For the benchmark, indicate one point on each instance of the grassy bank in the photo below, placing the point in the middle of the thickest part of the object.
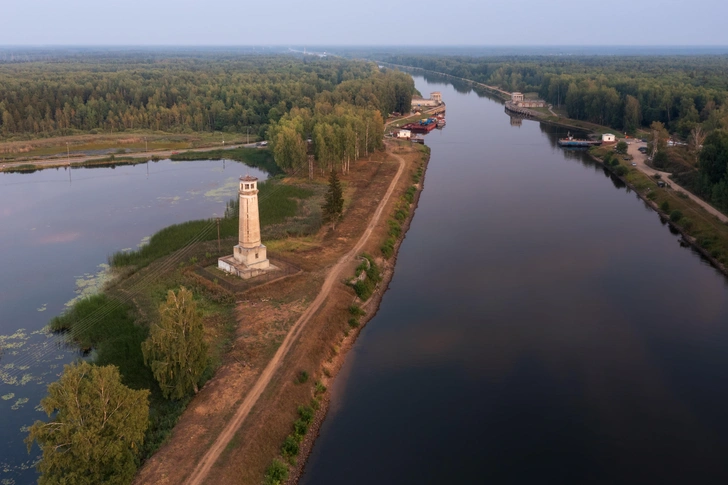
(278, 201)
(704, 230)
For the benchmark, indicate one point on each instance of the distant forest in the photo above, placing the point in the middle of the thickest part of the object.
(624, 92)
(182, 92)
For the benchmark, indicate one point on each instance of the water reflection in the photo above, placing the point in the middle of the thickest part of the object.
(541, 326)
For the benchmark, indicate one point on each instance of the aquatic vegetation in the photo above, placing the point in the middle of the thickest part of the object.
(8, 396)
(90, 284)
(19, 403)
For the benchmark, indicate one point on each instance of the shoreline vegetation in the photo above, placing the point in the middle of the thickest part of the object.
(702, 231)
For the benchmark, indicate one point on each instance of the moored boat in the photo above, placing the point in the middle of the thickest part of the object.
(572, 142)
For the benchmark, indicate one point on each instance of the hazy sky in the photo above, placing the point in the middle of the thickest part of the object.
(368, 22)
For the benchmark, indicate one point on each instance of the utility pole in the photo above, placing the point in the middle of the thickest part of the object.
(248, 142)
(217, 219)
(146, 146)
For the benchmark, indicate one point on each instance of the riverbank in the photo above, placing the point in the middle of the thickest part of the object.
(265, 318)
(703, 231)
(371, 306)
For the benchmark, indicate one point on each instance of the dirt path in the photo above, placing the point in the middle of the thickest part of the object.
(208, 460)
(640, 160)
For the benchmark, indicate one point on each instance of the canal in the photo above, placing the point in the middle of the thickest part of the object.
(57, 231)
(542, 326)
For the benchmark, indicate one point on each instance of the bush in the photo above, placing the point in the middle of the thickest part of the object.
(276, 474)
(621, 147)
(652, 196)
(306, 414)
(676, 215)
(364, 288)
(320, 388)
(387, 247)
(300, 428)
(665, 206)
(302, 377)
(357, 311)
(620, 170)
(395, 228)
(290, 447)
(353, 322)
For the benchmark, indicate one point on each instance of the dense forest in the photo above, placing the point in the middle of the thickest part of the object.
(181, 92)
(624, 92)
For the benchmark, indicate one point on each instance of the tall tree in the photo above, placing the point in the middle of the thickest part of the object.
(632, 114)
(97, 430)
(334, 203)
(697, 137)
(176, 350)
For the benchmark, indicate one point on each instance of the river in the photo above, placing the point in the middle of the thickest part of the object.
(57, 232)
(542, 326)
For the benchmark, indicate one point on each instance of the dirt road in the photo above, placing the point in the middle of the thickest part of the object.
(640, 160)
(61, 161)
(208, 460)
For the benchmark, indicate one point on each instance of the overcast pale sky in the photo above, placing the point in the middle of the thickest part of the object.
(364, 22)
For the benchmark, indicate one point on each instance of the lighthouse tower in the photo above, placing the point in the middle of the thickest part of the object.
(249, 250)
(249, 256)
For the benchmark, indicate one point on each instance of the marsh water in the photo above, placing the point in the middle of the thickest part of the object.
(56, 231)
(542, 326)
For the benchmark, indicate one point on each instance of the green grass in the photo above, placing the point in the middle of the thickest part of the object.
(24, 168)
(277, 202)
(254, 157)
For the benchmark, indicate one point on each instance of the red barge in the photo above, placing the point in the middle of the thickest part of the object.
(422, 126)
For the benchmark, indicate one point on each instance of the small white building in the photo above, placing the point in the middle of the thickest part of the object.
(517, 98)
(608, 138)
(404, 134)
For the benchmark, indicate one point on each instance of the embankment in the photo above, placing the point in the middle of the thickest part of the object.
(699, 229)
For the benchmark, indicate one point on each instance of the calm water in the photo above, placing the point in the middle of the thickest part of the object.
(56, 232)
(542, 326)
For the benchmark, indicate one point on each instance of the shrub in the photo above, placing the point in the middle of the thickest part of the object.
(357, 311)
(675, 215)
(652, 196)
(400, 215)
(687, 223)
(387, 247)
(621, 147)
(320, 388)
(306, 414)
(290, 447)
(395, 228)
(353, 322)
(300, 428)
(620, 170)
(665, 206)
(276, 474)
(302, 377)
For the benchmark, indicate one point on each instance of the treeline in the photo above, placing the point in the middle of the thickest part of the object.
(624, 92)
(184, 92)
(327, 138)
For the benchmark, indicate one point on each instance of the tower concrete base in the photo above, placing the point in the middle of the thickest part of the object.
(231, 265)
